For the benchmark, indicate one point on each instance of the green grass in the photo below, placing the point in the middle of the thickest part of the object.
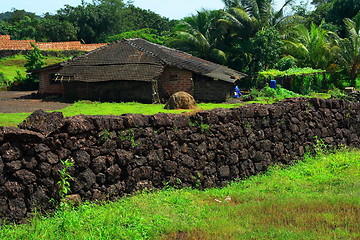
(318, 198)
(97, 108)
(12, 119)
(11, 65)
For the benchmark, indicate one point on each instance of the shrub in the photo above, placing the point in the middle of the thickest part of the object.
(337, 93)
(286, 63)
(3, 81)
(278, 94)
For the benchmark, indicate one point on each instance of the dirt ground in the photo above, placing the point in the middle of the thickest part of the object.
(21, 101)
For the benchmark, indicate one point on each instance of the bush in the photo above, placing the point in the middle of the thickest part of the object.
(339, 79)
(307, 84)
(286, 63)
(278, 94)
(337, 93)
(3, 81)
(24, 83)
(148, 34)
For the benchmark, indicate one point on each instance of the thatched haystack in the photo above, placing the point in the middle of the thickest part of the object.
(181, 100)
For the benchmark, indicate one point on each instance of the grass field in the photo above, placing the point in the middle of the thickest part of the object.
(318, 198)
(11, 65)
(98, 108)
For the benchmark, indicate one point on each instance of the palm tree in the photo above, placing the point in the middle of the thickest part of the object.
(311, 47)
(250, 16)
(245, 21)
(349, 49)
(200, 36)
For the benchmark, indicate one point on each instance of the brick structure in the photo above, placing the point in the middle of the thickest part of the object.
(7, 44)
(174, 80)
(47, 83)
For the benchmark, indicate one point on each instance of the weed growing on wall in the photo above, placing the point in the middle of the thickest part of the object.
(203, 126)
(320, 147)
(4, 82)
(105, 135)
(129, 135)
(65, 177)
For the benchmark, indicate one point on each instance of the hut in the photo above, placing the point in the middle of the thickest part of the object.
(137, 70)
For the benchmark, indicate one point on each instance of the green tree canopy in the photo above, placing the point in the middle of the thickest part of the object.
(311, 47)
(148, 34)
(34, 59)
(349, 49)
(200, 35)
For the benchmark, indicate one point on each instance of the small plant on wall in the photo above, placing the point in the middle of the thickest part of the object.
(65, 177)
(129, 135)
(203, 126)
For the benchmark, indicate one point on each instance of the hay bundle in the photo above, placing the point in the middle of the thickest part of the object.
(181, 100)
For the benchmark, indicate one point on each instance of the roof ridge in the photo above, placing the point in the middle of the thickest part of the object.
(133, 44)
(163, 46)
(86, 54)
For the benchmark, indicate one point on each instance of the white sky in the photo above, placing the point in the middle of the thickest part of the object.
(173, 9)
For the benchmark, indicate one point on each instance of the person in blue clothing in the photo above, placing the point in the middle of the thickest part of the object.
(237, 92)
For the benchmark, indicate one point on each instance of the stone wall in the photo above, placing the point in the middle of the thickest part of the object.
(115, 155)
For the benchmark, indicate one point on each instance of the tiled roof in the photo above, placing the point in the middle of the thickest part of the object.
(139, 60)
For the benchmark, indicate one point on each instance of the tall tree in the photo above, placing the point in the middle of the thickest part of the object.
(334, 11)
(349, 51)
(93, 22)
(200, 36)
(311, 47)
(137, 18)
(253, 15)
(249, 24)
(267, 46)
(34, 59)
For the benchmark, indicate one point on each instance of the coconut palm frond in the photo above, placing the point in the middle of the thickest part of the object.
(218, 56)
(238, 17)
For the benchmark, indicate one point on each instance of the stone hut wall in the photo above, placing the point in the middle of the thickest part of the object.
(115, 155)
(211, 90)
(109, 91)
(47, 83)
(174, 80)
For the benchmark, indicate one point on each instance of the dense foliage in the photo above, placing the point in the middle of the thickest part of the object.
(247, 35)
(88, 22)
(273, 73)
(148, 34)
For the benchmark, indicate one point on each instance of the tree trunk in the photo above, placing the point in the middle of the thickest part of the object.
(353, 76)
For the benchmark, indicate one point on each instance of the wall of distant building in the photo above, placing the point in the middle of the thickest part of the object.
(7, 44)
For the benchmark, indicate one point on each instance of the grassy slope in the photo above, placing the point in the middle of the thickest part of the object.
(10, 65)
(318, 198)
